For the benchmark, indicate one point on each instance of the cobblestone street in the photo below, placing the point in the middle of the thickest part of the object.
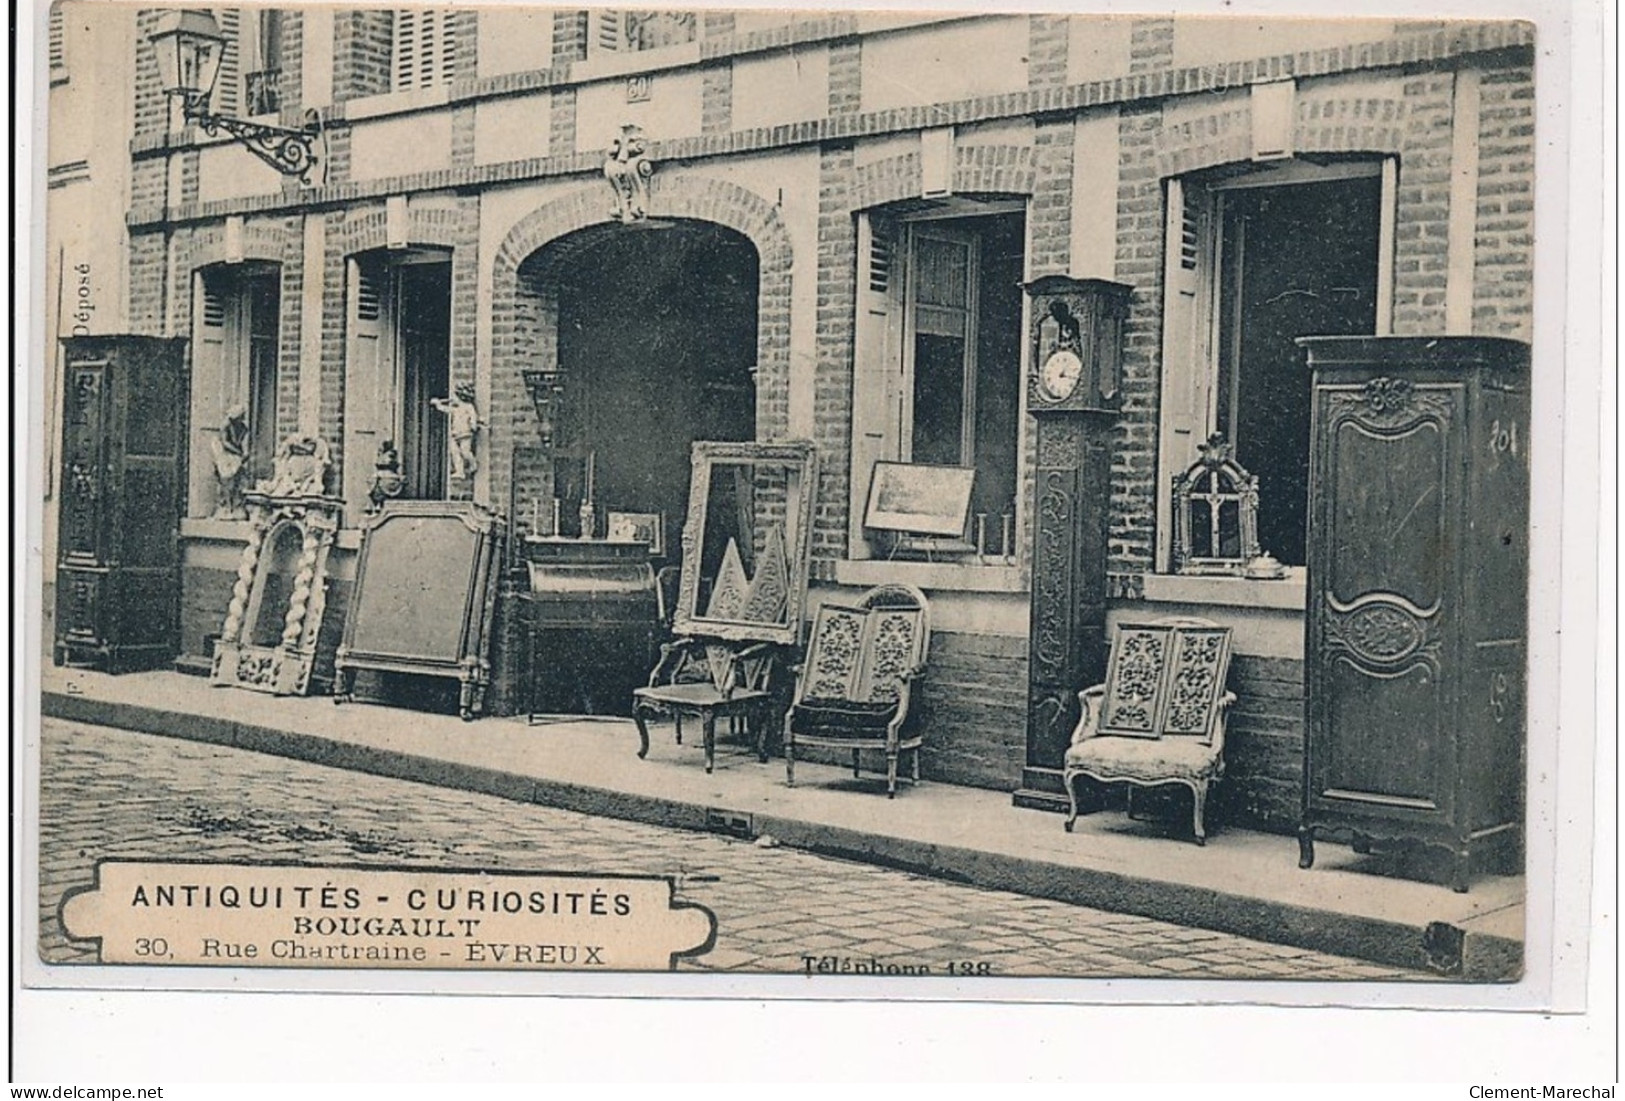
(109, 793)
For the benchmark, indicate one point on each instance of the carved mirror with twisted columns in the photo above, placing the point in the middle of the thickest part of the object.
(277, 605)
(747, 540)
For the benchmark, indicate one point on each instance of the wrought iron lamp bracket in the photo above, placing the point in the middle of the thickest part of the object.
(293, 152)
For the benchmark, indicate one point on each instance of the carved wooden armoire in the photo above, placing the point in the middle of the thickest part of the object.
(1073, 393)
(1417, 610)
(122, 478)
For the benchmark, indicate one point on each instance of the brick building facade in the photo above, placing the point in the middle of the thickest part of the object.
(819, 159)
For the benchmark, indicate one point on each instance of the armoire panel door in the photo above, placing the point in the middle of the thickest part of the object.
(1382, 732)
(85, 492)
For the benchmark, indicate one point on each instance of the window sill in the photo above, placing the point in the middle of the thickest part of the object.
(1289, 593)
(206, 529)
(931, 576)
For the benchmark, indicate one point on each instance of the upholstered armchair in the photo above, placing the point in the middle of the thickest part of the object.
(852, 691)
(1160, 717)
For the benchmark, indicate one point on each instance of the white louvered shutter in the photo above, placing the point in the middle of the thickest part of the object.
(212, 386)
(228, 84)
(424, 55)
(877, 362)
(1187, 384)
(367, 406)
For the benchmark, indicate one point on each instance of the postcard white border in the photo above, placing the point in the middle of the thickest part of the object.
(1573, 875)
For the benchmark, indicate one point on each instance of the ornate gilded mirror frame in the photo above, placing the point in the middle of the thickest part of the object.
(242, 657)
(798, 460)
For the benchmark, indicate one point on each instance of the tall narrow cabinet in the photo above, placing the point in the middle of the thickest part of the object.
(120, 489)
(1417, 614)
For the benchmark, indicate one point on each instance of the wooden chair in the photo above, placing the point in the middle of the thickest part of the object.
(852, 691)
(1160, 716)
(709, 679)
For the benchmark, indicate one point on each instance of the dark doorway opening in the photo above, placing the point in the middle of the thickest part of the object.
(657, 339)
(1295, 260)
(423, 303)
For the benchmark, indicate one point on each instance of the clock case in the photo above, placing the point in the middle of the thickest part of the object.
(1071, 493)
(1084, 317)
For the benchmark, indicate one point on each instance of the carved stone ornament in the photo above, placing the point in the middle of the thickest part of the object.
(1215, 514)
(628, 169)
(299, 469)
(274, 620)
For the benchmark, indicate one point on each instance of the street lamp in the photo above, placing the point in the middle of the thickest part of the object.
(188, 45)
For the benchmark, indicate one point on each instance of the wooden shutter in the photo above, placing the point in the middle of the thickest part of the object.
(423, 52)
(211, 386)
(228, 84)
(54, 47)
(608, 32)
(1187, 326)
(877, 362)
(368, 408)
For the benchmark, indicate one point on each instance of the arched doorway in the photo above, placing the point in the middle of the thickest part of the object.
(656, 347)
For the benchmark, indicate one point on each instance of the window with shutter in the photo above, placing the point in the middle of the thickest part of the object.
(1255, 258)
(633, 30)
(236, 347)
(228, 82)
(937, 348)
(262, 53)
(55, 52)
(397, 360)
(424, 53)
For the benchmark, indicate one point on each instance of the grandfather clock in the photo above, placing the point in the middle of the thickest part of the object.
(1073, 395)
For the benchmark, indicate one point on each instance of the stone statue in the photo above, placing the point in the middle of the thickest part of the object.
(230, 452)
(387, 479)
(299, 469)
(628, 169)
(464, 421)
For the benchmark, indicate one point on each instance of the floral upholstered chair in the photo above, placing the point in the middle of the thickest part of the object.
(853, 688)
(1160, 716)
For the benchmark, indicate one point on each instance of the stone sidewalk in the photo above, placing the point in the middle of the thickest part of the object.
(1243, 883)
(779, 911)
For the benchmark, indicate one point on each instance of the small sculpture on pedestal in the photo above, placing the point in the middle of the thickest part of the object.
(230, 452)
(387, 479)
(628, 169)
(464, 422)
(299, 469)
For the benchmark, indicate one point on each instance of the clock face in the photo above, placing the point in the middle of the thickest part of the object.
(1059, 376)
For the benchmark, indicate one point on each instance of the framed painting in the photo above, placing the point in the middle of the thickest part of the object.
(914, 499)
